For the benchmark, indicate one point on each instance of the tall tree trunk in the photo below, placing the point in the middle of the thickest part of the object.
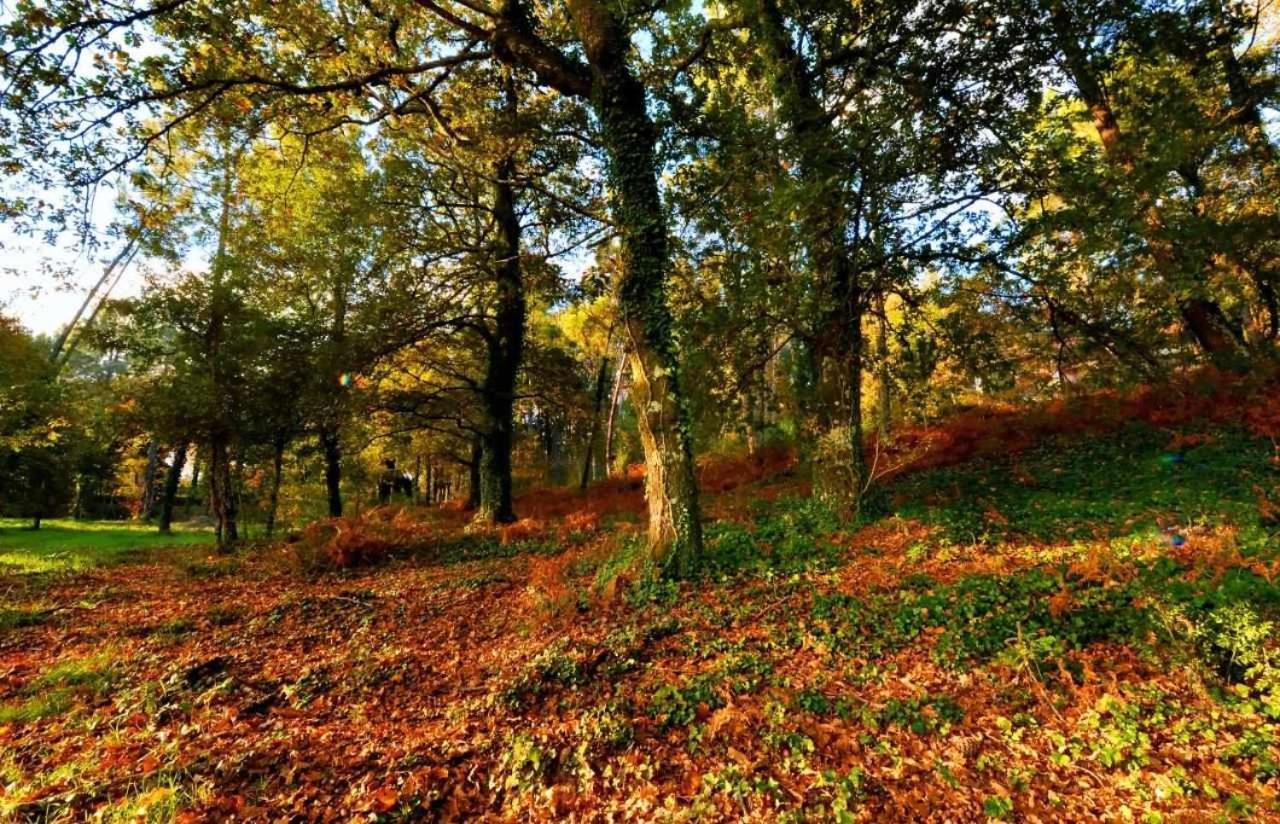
(277, 470)
(602, 376)
(834, 421)
(121, 260)
(221, 492)
(884, 385)
(1202, 317)
(474, 474)
(611, 421)
(331, 445)
(172, 480)
(222, 495)
(630, 139)
(506, 345)
(1261, 264)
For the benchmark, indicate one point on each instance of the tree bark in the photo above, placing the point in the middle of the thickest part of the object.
(1244, 97)
(222, 493)
(611, 421)
(834, 419)
(193, 494)
(884, 385)
(172, 481)
(602, 376)
(277, 470)
(506, 344)
(630, 139)
(147, 506)
(331, 445)
(473, 474)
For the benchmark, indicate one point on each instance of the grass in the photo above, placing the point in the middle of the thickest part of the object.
(53, 692)
(1098, 614)
(1132, 481)
(66, 544)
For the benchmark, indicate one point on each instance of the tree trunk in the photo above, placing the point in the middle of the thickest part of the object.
(1202, 317)
(1244, 96)
(473, 474)
(602, 376)
(172, 481)
(147, 507)
(506, 345)
(193, 495)
(222, 494)
(277, 470)
(884, 385)
(331, 445)
(121, 260)
(630, 138)
(610, 423)
(834, 414)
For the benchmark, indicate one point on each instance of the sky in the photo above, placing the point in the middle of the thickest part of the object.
(40, 302)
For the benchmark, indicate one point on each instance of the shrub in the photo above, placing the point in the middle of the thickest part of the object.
(344, 543)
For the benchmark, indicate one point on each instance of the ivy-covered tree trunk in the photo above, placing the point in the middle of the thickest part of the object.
(331, 445)
(506, 343)
(630, 139)
(172, 481)
(833, 406)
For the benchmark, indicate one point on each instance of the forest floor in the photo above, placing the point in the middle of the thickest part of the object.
(1066, 613)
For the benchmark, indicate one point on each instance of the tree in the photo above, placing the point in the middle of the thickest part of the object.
(37, 456)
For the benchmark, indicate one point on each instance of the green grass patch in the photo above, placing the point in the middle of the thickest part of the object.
(54, 702)
(66, 544)
(1113, 485)
(55, 691)
(20, 618)
(1225, 621)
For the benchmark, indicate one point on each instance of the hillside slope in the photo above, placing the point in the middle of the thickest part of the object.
(1080, 627)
